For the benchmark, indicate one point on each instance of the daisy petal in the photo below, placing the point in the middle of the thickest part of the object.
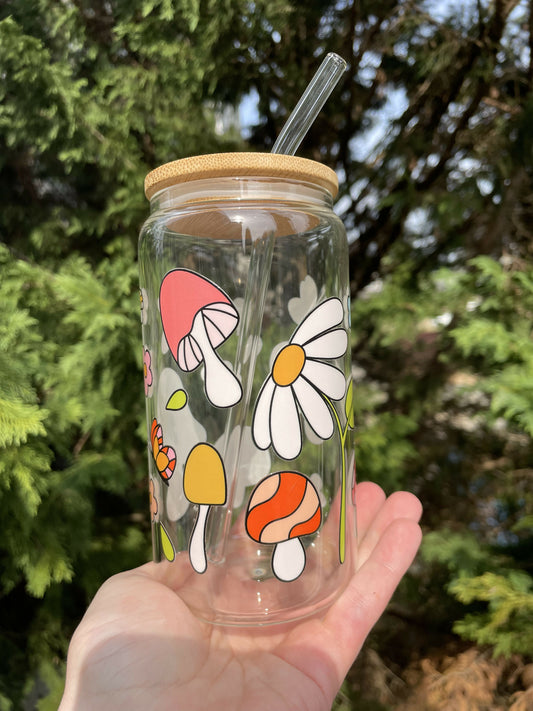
(326, 378)
(313, 406)
(332, 344)
(261, 425)
(326, 315)
(285, 424)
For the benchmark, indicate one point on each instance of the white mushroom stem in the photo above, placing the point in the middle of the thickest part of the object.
(288, 559)
(221, 386)
(197, 542)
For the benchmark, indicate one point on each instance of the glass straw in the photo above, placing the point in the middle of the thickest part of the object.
(288, 141)
(310, 104)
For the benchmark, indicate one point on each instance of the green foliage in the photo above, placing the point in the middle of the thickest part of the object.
(383, 447)
(69, 417)
(461, 552)
(20, 416)
(460, 341)
(502, 598)
(507, 624)
(54, 681)
(499, 335)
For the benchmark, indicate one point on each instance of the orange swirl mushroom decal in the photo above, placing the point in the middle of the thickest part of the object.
(204, 484)
(283, 507)
(197, 318)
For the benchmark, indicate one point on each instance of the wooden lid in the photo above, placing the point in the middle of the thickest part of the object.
(224, 165)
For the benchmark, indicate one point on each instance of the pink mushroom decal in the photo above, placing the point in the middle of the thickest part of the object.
(197, 318)
(282, 507)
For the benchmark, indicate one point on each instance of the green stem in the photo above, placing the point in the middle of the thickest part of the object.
(342, 516)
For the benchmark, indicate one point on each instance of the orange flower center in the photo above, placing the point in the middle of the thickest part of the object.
(162, 461)
(288, 365)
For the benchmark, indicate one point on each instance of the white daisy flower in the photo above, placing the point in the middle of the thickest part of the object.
(300, 380)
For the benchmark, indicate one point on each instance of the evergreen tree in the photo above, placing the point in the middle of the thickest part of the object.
(429, 132)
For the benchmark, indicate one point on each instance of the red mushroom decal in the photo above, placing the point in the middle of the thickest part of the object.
(282, 507)
(198, 317)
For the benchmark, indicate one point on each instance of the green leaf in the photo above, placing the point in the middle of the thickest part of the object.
(177, 400)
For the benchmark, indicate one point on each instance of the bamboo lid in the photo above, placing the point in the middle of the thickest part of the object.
(224, 165)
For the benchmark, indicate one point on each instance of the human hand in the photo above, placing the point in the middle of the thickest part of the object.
(139, 647)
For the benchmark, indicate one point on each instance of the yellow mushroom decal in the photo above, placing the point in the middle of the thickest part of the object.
(204, 484)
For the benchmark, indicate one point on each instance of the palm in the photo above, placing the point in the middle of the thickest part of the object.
(139, 647)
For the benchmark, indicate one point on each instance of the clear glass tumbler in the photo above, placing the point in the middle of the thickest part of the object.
(245, 309)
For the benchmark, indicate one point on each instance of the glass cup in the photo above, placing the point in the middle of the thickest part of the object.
(245, 308)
